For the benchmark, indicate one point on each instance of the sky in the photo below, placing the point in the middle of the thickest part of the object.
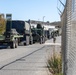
(31, 9)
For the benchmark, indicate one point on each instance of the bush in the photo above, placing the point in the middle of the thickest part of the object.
(55, 65)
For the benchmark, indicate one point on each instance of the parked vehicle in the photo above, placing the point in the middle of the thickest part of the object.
(23, 28)
(38, 34)
(50, 33)
(16, 32)
(55, 33)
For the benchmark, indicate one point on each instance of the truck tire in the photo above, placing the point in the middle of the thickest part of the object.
(16, 44)
(40, 40)
(12, 45)
(24, 44)
(27, 40)
(43, 41)
(31, 41)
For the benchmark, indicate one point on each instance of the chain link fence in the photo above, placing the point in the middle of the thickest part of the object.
(68, 21)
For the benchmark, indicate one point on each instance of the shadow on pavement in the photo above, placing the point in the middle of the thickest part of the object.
(3, 47)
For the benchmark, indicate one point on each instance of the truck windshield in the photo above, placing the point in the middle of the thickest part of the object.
(19, 26)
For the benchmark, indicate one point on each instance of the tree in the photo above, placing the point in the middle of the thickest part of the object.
(2, 24)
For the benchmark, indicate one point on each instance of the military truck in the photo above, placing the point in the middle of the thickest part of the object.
(23, 28)
(38, 34)
(55, 32)
(10, 36)
(13, 32)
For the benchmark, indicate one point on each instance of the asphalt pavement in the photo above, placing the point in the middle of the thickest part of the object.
(28, 60)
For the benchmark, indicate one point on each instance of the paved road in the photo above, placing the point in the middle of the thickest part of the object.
(28, 60)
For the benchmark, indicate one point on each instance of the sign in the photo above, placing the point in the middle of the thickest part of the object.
(9, 17)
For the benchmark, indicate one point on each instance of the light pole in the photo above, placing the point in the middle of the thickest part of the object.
(43, 18)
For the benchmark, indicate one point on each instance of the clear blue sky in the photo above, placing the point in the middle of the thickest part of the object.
(31, 9)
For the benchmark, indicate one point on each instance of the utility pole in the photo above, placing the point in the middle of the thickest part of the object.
(43, 18)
